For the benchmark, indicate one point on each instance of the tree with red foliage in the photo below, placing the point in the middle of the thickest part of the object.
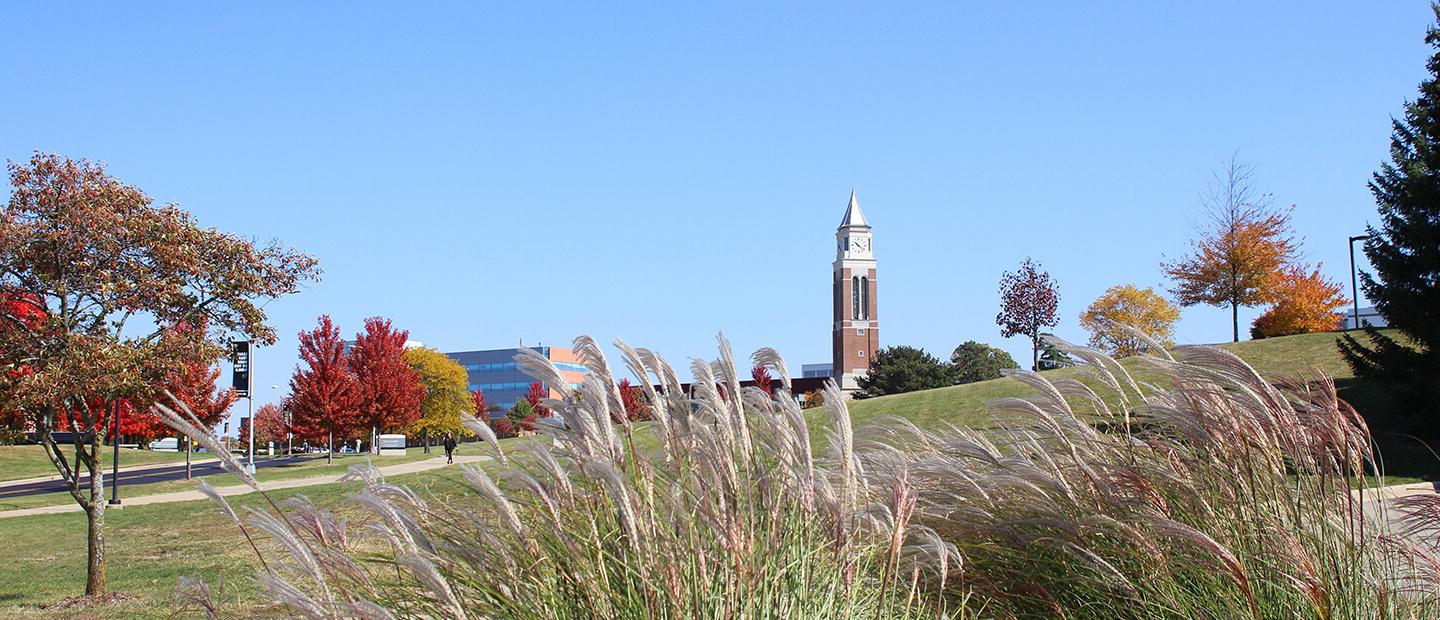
(534, 395)
(503, 427)
(390, 390)
(761, 375)
(482, 409)
(112, 273)
(324, 395)
(1028, 302)
(269, 424)
(194, 383)
(633, 398)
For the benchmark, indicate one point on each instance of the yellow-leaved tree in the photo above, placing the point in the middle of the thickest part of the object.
(446, 394)
(1305, 302)
(1126, 305)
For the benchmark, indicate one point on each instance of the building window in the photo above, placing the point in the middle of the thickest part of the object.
(865, 299)
(855, 297)
(862, 352)
(859, 331)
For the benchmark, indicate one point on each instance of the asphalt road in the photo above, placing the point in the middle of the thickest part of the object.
(146, 476)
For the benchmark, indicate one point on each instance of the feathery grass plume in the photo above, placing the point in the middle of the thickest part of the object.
(191, 427)
(485, 433)
(193, 592)
(480, 481)
(842, 443)
(424, 570)
(1223, 495)
(593, 358)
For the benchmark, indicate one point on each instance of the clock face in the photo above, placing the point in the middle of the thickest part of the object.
(860, 244)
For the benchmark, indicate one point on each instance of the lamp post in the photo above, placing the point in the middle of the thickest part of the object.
(1354, 288)
(115, 447)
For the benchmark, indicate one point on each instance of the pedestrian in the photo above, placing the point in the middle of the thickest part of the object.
(449, 448)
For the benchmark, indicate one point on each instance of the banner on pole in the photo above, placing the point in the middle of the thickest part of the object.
(240, 357)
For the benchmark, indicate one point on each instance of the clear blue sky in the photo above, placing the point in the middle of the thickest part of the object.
(483, 174)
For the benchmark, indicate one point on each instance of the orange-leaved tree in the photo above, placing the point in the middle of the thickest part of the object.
(1126, 307)
(1305, 301)
(113, 275)
(1243, 246)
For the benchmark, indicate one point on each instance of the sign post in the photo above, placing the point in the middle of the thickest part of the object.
(241, 381)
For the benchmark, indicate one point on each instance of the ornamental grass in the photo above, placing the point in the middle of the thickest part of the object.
(1213, 493)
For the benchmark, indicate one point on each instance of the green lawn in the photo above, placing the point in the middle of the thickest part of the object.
(1407, 459)
(151, 546)
(18, 462)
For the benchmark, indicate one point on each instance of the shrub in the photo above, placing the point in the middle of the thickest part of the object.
(1223, 496)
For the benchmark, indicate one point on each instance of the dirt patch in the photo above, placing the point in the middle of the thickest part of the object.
(83, 602)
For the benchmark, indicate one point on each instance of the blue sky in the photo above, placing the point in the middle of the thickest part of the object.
(483, 174)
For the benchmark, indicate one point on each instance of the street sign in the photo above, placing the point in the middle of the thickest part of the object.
(240, 357)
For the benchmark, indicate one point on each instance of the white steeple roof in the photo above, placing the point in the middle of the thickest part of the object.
(853, 216)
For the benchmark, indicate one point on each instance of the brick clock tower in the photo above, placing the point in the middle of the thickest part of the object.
(855, 326)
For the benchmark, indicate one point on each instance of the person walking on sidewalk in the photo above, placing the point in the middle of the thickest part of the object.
(449, 448)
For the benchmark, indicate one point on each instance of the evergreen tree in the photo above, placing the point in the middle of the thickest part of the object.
(894, 370)
(976, 361)
(1404, 250)
(1051, 357)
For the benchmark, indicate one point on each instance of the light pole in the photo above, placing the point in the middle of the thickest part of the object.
(115, 446)
(1354, 288)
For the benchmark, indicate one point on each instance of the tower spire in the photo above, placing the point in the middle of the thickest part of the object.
(853, 215)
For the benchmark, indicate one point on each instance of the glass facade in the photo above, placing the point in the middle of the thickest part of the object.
(504, 382)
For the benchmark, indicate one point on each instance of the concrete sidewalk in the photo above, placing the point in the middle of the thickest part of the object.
(125, 470)
(240, 489)
(1397, 491)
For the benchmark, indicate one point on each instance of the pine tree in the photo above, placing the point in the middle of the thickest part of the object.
(1404, 250)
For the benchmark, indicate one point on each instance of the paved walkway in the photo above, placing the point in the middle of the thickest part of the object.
(240, 489)
(128, 469)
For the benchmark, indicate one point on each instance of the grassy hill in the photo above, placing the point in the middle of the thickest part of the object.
(1406, 457)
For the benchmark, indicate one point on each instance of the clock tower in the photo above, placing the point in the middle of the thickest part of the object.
(855, 327)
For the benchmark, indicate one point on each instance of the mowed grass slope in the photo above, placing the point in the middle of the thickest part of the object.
(1407, 459)
(965, 404)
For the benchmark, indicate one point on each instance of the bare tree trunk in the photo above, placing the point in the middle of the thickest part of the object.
(1035, 352)
(187, 456)
(330, 446)
(1235, 321)
(95, 581)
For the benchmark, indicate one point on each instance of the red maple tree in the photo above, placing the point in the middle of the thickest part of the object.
(269, 425)
(1028, 303)
(633, 398)
(534, 395)
(761, 375)
(390, 389)
(324, 395)
(482, 409)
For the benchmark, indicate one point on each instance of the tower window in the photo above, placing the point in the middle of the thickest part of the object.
(855, 297)
(865, 299)
(862, 352)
